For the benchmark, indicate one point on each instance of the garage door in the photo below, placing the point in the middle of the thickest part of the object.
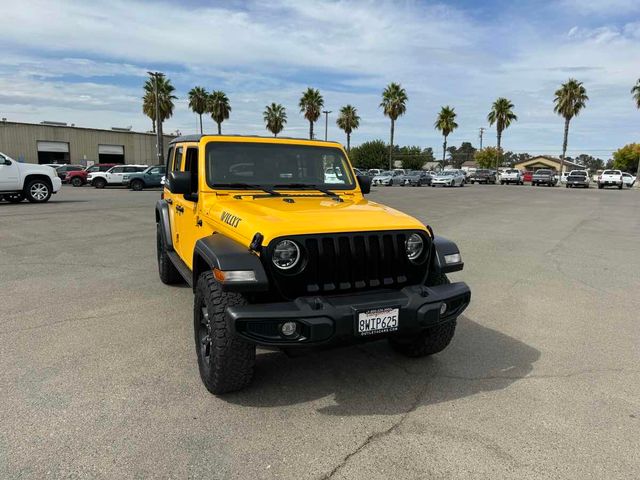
(53, 152)
(111, 153)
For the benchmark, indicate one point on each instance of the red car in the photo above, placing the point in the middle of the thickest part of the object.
(526, 176)
(79, 178)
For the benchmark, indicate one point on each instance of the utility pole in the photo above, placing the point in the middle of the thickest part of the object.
(482, 129)
(326, 123)
(159, 137)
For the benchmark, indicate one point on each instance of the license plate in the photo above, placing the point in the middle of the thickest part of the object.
(380, 320)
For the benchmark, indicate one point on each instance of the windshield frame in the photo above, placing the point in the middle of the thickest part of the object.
(333, 148)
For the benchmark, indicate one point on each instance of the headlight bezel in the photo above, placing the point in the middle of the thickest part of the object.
(418, 255)
(292, 266)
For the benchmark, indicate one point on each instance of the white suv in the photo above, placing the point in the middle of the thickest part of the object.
(113, 176)
(18, 181)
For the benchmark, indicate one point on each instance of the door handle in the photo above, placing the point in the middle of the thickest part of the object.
(179, 208)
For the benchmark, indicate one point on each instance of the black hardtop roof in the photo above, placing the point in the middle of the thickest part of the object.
(198, 137)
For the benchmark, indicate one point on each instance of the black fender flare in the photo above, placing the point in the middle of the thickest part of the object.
(443, 247)
(162, 218)
(225, 254)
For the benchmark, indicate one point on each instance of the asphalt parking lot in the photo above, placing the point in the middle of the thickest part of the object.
(99, 379)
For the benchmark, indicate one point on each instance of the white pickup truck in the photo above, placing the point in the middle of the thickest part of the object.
(610, 178)
(18, 181)
(511, 175)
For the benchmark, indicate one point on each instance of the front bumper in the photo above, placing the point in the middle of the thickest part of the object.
(332, 320)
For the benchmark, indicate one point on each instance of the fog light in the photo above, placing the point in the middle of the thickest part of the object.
(288, 329)
(443, 308)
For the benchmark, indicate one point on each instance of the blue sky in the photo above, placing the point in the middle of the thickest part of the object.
(85, 62)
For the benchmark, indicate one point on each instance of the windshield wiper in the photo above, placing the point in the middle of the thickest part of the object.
(307, 186)
(248, 186)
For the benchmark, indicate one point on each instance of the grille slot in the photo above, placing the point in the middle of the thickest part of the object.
(345, 262)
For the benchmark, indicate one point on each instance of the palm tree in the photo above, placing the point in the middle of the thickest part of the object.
(275, 117)
(198, 97)
(570, 98)
(219, 108)
(635, 91)
(349, 120)
(394, 104)
(446, 123)
(162, 85)
(165, 100)
(502, 115)
(311, 104)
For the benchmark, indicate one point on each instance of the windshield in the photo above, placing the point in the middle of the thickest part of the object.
(543, 172)
(578, 174)
(482, 171)
(237, 164)
(611, 172)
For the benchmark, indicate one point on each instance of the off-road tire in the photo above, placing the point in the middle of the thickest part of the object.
(167, 271)
(14, 197)
(432, 340)
(225, 361)
(137, 185)
(99, 183)
(77, 182)
(37, 191)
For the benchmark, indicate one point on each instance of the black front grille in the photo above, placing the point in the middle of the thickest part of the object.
(345, 262)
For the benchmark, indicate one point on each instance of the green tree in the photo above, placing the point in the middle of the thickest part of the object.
(486, 158)
(275, 118)
(590, 162)
(502, 115)
(394, 105)
(445, 123)
(372, 154)
(198, 97)
(219, 108)
(635, 91)
(627, 158)
(311, 104)
(460, 155)
(165, 100)
(411, 157)
(348, 121)
(569, 100)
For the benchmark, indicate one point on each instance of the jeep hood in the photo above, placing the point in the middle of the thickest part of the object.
(277, 216)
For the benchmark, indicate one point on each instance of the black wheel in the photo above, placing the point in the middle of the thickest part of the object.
(14, 197)
(99, 183)
(37, 191)
(431, 340)
(620, 187)
(168, 272)
(225, 361)
(137, 185)
(76, 182)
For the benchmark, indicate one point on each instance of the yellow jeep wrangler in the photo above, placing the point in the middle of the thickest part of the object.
(282, 250)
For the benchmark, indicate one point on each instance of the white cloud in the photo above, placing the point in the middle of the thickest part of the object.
(271, 51)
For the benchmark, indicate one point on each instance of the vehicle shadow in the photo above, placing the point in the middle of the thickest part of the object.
(371, 379)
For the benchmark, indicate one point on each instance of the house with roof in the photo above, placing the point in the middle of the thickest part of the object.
(547, 162)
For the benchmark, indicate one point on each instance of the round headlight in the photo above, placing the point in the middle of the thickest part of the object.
(414, 246)
(286, 255)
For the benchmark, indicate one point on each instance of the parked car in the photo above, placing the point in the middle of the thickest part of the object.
(483, 175)
(18, 181)
(527, 175)
(544, 177)
(375, 171)
(417, 178)
(77, 178)
(628, 180)
(449, 178)
(113, 176)
(563, 177)
(578, 178)
(64, 170)
(383, 178)
(398, 178)
(511, 175)
(611, 178)
(149, 178)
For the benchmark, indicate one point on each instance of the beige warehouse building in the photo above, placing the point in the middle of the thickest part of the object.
(50, 142)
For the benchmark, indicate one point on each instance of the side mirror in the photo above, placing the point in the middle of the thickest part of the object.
(179, 182)
(365, 183)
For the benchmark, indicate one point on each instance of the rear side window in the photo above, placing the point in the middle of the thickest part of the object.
(191, 165)
(177, 161)
(169, 158)
(611, 172)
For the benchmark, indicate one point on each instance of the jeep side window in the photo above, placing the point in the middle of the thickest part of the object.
(169, 156)
(191, 165)
(177, 161)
